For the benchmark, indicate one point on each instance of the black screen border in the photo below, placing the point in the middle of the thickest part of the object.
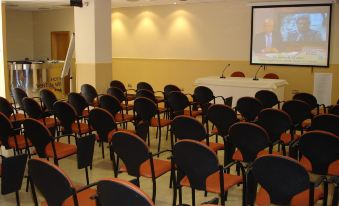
(296, 5)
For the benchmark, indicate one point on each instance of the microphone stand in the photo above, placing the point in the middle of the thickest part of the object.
(223, 71)
(255, 76)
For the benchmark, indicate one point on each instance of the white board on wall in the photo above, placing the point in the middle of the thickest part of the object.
(323, 87)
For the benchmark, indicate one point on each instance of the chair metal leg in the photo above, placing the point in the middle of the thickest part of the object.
(193, 197)
(102, 149)
(87, 178)
(17, 198)
(335, 196)
(180, 195)
(325, 193)
(154, 187)
(35, 199)
(159, 140)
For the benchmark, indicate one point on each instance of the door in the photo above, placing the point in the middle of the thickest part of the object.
(59, 44)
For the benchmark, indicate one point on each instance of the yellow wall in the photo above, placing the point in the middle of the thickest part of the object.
(179, 43)
(20, 35)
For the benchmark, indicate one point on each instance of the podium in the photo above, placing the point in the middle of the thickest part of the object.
(241, 86)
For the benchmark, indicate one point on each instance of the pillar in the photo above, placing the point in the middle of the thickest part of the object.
(4, 85)
(93, 44)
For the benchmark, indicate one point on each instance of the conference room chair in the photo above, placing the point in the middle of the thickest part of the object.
(249, 108)
(300, 113)
(122, 97)
(146, 110)
(267, 98)
(18, 95)
(12, 171)
(237, 74)
(90, 94)
(198, 167)
(222, 117)
(186, 127)
(44, 142)
(278, 124)
(281, 188)
(179, 104)
(48, 98)
(311, 101)
(334, 109)
(56, 187)
(320, 155)
(7, 109)
(11, 137)
(120, 192)
(147, 86)
(130, 93)
(69, 120)
(271, 76)
(170, 88)
(150, 95)
(80, 104)
(34, 110)
(137, 159)
(113, 106)
(326, 122)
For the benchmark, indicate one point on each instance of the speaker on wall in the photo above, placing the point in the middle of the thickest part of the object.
(77, 3)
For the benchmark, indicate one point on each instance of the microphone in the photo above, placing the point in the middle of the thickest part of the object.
(223, 71)
(255, 76)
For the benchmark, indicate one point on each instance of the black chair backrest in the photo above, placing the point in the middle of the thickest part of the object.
(18, 95)
(6, 129)
(89, 93)
(50, 180)
(32, 108)
(145, 108)
(48, 98)
(12, 173)
(281, 177)
(131, 149)
(66, 114)
(117, 93)
(185, 127)
(6, 107)
(121, 192)
(102, 121)
(78, 102)
(308, 98)
(275, 122)
(320, 148)
(144, 85)
(267, 98)
(195, 160)
(142, 129)
(203, 94)
(110, 103)
(85, 151)
(170, 88)
(222, 117)
(326, 122)
(118, 84)
(177, 102)
(249, 107)
(146, 93)
(298, 111)
(335, 109)
(38, 134)
(249, 138)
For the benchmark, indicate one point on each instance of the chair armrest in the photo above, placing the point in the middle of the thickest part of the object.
(86, 187)
(215, 97)
(229, 165)
(156, 154)
(57, 137)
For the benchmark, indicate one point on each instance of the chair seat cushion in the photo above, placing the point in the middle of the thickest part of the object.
(84, 128)
(17, 117)
(62, 150)
(215, 146)
(286, 138)
(112, 132)
(48, 122)
(163, 122)
(20, 140)
(127, 107)
(126, 117)
(237, 156)
(306, 123)
(213, 182)
(85, 113)
(160, 168)
(195, 113)
(84, 198)
(300, 199)
(333, 168)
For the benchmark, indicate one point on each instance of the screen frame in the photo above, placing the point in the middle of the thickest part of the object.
(296, 5)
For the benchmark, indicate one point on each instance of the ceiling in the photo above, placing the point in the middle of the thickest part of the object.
(34, 5)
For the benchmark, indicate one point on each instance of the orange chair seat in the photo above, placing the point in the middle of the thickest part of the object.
(214, 130)
(84, 128)
(126, 117)
(287, 137)
(84, 198)
(85, 113)
(163, 122)
(112, 132)
(130, 97)
(333, 168)
(159, 99)
(20, 140)
(194, 113)
(214, 146)
(301, 199)
(17, 117)
(213, 182)
(306, 123)
(48, 122)
(62, 150)
(160, 168)
(237, 156)
(127, 107)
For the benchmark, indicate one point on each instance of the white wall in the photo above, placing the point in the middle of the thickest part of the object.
(19, 35)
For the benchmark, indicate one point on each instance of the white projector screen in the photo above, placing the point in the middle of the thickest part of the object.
(297, 35)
